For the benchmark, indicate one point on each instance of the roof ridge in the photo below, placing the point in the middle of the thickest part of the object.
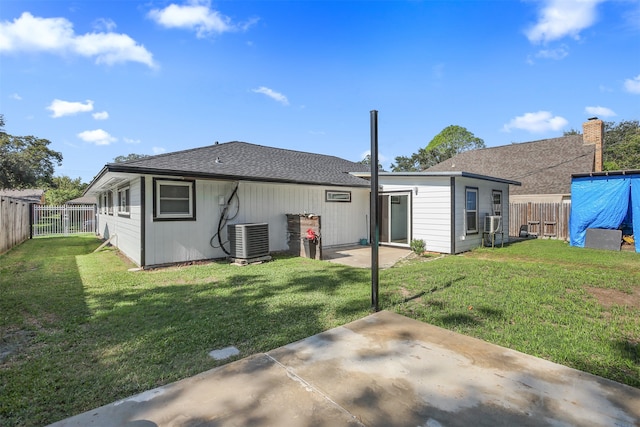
(531, 142)
(172, 153)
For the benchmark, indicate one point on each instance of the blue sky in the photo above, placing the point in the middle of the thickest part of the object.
(101, 79)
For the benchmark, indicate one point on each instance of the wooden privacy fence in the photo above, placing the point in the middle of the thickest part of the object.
(63, 220)
(14, 222)
(550, 220)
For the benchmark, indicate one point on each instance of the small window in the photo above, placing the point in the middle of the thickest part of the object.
(496, 197)
(173, 200)
(472, 210)
(123, 201)
(110, 202)
(338, 196)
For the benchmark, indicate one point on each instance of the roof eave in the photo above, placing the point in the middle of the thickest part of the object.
(123, 168)
(440, 174)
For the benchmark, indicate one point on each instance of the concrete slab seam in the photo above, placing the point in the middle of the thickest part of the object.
(310, 387)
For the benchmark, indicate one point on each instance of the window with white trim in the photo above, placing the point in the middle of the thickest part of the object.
(337, 196)
(110, 202)
(173, 200)
(496, 200)
(471, 210)
(123, 201)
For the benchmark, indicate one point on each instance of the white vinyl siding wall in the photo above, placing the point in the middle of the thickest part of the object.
(126, 228)
(179, 241)
(464, 241)
(431, 208)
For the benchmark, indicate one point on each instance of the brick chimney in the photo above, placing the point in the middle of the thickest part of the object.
(593, 133)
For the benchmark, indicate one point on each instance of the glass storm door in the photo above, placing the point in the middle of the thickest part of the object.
(395, 218)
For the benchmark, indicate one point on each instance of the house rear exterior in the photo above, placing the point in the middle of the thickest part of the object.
(168, 208)
(446, 210)
(174, 207)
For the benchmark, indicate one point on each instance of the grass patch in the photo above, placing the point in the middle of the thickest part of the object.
(578, 307)
(78, 330)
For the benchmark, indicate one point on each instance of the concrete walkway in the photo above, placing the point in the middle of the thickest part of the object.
(360, 256)
(382, 370)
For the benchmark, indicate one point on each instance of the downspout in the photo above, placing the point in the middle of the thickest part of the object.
(143, 221)
(453, 214)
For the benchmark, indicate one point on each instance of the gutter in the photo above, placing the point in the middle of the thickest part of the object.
(122, 168)
(606, 173)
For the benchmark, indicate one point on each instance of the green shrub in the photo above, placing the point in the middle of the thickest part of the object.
(418, 246)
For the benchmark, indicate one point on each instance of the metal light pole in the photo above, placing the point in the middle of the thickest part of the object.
(375, 228)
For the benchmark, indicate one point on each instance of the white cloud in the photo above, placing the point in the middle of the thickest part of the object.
(131, 141)
(97, 137)
(62, 108)
(56, 35)
(101, 115)
(541, 121)
(199, 17)
(104, 24)
(158, 150)
(600, 111)
(272, 94)
(15, 96)
(557, 54)
(561, 18)
(633, 85)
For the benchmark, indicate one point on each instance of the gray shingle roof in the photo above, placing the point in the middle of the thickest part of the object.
(28, 195)
(543, 167)
(241, 160)
(84, 200)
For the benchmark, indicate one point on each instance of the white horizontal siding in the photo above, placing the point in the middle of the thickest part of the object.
(431, 208)
(179, 241)
(465, 242)
(126, 229)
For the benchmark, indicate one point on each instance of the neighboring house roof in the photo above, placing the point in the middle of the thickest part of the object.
(34, 195)
(84, 200)
(438, 174)
(250, 162)
(543, 167)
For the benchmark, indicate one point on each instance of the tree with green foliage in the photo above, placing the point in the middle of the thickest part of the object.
(132, 156)
(367, 161)
(449, 142)
(63, 189)
(26, 161)
(621, 145)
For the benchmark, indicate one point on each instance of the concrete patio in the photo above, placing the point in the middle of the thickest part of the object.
(382, 370)
(360, 256)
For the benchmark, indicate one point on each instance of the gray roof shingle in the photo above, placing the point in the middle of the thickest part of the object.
(28, 195)
(543, 167)
(241, 160)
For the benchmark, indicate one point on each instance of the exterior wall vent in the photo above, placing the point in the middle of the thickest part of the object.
(492, 223)
(248, 240)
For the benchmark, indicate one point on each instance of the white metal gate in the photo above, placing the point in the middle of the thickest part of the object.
(63, 220)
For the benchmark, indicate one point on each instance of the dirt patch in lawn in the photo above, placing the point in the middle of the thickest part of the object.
(12, 341)
(608, 297)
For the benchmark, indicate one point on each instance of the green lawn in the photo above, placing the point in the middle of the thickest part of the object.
(78, 330)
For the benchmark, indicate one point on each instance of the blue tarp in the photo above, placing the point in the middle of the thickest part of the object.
(603, 202)
(635, 209)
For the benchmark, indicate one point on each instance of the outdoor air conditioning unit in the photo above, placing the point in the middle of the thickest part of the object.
(492, 223)
(249, 240)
